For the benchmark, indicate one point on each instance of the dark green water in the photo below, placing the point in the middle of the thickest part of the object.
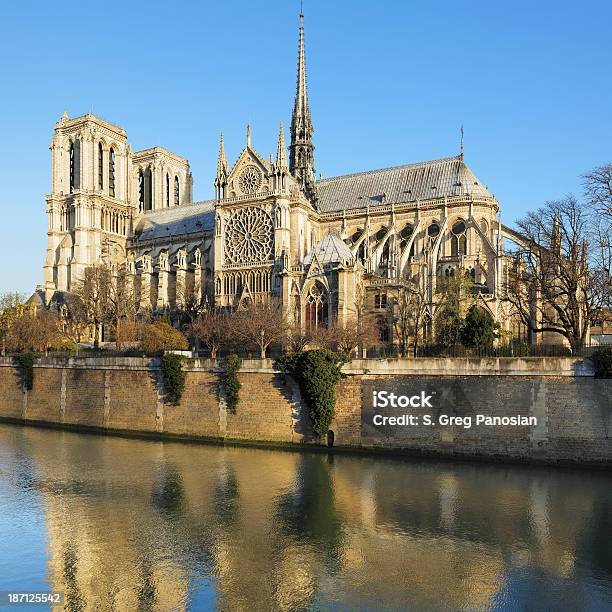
(119, 524)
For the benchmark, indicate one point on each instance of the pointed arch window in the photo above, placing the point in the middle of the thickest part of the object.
(75, 165)
(72, 167)
(177, 197)
(141, 194)
(148, 189)
(167, 190)
(317, 307)
(458, 239)
(100, 166)
(111, 172)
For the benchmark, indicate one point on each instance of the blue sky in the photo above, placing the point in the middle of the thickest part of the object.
(389, 83)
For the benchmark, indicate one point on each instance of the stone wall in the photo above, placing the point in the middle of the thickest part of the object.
(573, 410)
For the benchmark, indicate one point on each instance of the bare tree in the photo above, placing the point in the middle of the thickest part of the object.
(557, 286)
(261, 324)
(323, 336)
(408, 308)
(354, 334)
(213, 329)
(94, 290)
(121, 302)
(598, 189)
(297, 338)
(74, 318)
(192, 304)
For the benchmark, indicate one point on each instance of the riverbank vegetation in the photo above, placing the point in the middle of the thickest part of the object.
(231, 383)
(173, 377)
(317, 372)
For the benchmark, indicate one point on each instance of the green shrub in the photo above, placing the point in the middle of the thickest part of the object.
(602, 360)
(233, 363)
(479, 329)
(317, 372)
(26, 362)
(173, 376)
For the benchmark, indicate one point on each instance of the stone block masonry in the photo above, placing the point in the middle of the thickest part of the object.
(572, 410)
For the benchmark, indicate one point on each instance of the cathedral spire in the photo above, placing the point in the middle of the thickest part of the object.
(301, 155)
(281, 152)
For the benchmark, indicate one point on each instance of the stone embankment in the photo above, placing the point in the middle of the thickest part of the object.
(572, 410)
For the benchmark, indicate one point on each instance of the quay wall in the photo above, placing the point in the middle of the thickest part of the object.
(572, 409)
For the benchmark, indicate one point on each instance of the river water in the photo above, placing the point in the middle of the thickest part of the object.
(124, 524)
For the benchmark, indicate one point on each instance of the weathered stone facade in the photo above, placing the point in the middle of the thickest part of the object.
(327, 249)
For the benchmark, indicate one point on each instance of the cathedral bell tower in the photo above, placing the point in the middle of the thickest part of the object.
(301, 151)
(89, 215)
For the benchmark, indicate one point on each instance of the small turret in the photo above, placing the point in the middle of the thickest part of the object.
(281, 152)
(222, 172)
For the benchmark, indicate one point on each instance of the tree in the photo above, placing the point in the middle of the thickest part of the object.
(121, 302)
(94, 291)
(451, 297)
(297, 338)
(323, 336)
(213, 329)
(161, 336)
(11, 308)
(350, 336)
(192, 304)
(408, 310)
(598, 189)
(558, 284)
(34, 332)
(74, 318)
(261, 324)
(479, 329)
(598, 193)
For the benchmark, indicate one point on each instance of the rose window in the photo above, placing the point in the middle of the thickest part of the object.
(250, 179)
(248, 236)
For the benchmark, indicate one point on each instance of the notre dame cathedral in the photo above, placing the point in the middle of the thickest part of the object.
(328, 249)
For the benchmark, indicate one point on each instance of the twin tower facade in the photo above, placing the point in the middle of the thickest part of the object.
(329, 250)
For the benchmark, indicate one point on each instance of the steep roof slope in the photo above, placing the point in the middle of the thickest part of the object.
(422, 181)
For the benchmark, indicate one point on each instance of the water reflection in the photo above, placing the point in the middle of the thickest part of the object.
(138, 525)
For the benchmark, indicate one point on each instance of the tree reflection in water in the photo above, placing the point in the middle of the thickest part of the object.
(308, 512)
(167, 493)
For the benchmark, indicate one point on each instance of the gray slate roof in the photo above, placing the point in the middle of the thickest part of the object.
(422, 181)
(189, 219)
(331, 249)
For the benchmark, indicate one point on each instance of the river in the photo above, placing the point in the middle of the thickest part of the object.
(125, 524)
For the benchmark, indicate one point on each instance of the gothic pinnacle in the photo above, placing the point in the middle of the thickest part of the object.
(221, 163)
(281, 153)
